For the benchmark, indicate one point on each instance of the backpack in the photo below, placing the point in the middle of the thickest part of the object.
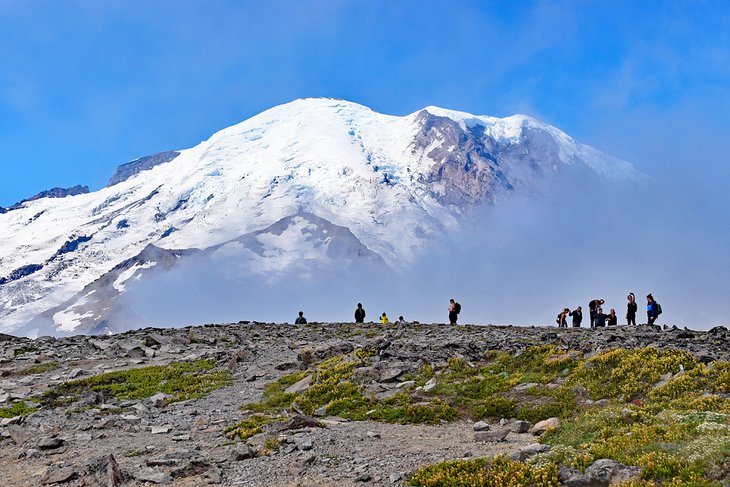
(457, 308)
(658, 309)
(557, 320)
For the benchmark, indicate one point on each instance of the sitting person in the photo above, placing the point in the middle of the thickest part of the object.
(612, 319)
(600, 318)
(301, 320)
(384, 319)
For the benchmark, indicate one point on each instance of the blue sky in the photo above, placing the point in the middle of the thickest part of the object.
(88, 85)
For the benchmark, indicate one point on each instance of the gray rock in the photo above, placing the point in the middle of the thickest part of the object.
(480, 426)
(373, 435)
(158, 400)
(571, 477)
(241, 451)
(525, 386)
(605, 471)
(57, 475)
(529, 451)
(300, 386)
(49, 443)
(520, 426)
(492, 435)
(430, 385)
(144, 474)
(299, 421)
(75, 373)
(10, 421)
(391, 375)
(365, 375)
(303, 443)
(103, 471)
(159, 430)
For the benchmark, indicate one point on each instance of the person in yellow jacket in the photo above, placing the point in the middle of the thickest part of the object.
(384, 319)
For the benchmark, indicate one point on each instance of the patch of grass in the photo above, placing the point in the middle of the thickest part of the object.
(181, 381)
(482, 472)
(243, 430)
(38, 368)
(17, 409)
(25, 349)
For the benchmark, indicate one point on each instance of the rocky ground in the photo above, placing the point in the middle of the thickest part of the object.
(147, 442)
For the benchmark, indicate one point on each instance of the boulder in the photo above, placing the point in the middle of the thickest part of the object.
(103, 471)
(480, 426)
(492, 435)
(49, 443)
(606, 471)
(56, 475)
(529, 451)
(542, 426)
(571, 477)
(300, 386)
(520, 426)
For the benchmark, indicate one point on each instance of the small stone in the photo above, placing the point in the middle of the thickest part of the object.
(529, 451)
(300, 386)
(606, 471)
(150, 475)
(75, 373)
(9, 421)
(181, 438)
(4, 397)
(158, 400)
(542, 426)
(492, 435)
(241, 451)
(159, 430)
(364, 477)
(373, 435)
(56, 475)
(480, 426)
(429, 385)
(520, 426)
(303, 443)
(405, 384)
(395, 477)
(503, 422)
(49, 443)
(525, 386)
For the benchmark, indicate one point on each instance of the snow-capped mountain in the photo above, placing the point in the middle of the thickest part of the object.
(315, 185)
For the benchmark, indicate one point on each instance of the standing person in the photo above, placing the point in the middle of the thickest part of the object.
(454, 310)
(384, 319)
(631, 308)
(301, 320)
(612, 319)
(359, 314)
(600, 319)
(593, 308)
(653, 309)
(577, 316)
(562, 318)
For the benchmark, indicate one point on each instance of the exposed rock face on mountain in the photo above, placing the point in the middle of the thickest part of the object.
(319, 183)
(50, 193)
(126, 171)
(153, 441)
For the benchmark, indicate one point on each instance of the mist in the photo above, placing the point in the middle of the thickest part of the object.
(573, 238)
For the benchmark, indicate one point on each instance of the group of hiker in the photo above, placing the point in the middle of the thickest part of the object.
(600, 319)
(454, 310)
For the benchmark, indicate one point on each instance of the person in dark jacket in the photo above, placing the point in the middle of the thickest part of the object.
(453, 314)
(577, 316)
(600, 319)
(359, 314)
(631, 308)
(562, 319)
(652, 310)
(593, 309)
(301, 320)
(612, 319)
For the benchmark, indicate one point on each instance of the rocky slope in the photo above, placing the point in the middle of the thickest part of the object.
(99, 440)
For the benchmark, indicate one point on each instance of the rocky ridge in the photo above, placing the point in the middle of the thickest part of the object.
(102, 441)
